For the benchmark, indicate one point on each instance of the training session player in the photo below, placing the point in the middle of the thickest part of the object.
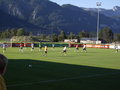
(45, 51)
(77, 48)
(32, 46)
(65, 50)
(21, 47)
(84, 48)
(4, 47)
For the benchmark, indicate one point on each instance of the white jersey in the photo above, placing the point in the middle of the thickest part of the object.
(116, 47)
(32, 45)
(84, 46)
(64, 48)
(53, 45)
(4, 45)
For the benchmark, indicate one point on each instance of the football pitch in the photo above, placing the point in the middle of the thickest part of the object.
(98, 69)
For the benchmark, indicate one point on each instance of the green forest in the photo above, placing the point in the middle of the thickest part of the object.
(105, 35)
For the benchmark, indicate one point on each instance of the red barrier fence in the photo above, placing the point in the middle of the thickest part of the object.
(91, 45)
(59, 45)
(18, 44)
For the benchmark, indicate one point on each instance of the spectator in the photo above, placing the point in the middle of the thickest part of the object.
(3, 65)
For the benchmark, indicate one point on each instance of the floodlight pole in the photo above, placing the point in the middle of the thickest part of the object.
(11, 42)
(98, 18)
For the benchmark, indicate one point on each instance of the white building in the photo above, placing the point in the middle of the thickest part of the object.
(90, 40)
(71, 40)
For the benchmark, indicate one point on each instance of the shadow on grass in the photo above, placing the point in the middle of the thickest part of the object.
(42, 75)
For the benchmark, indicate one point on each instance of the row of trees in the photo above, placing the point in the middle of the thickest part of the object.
(62, 35)
(9, 33)
(14, 32)
(106, 35)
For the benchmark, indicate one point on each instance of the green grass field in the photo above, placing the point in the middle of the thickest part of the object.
(98, 69)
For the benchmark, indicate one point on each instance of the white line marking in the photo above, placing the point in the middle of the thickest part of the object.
(56, 80)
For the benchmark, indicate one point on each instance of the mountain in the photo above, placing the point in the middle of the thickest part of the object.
(35, 12)
(46, 16)
(112, 13)
(86, 20)
(8, 21)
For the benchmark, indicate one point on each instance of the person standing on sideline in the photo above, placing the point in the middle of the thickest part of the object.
(4, 47)
(69, 45)
(3, 65)
(25, 45)
(116, 48)
(53, 45)
(40, 46)
(21, 47)
(77, 48)
(32, 46)
(45, 51)
(65, 50)
(84, 48)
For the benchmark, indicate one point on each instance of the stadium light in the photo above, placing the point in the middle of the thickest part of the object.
(98, 21)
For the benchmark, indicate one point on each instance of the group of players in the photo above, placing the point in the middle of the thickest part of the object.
(23, 46)
(46, 48)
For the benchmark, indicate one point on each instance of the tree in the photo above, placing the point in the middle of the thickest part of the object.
(13, 32)
(71, 36)
(3, 35)
(61, 36)
(30, 34)
(117, 37)
(83, 34)
(106, 34)
(20, 32)
(6, 34)
(54, 38)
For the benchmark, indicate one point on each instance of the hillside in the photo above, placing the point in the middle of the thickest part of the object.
(44, 15)
(9, 21)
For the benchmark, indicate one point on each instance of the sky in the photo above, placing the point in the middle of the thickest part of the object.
(107, 4)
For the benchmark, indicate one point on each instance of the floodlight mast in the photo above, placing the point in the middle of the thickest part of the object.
(98, 18)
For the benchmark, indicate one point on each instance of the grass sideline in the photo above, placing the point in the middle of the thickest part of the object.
(98, 69)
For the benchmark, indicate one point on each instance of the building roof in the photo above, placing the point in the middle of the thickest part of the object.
(91, 39)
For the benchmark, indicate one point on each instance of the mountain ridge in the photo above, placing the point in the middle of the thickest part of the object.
(46, 15)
